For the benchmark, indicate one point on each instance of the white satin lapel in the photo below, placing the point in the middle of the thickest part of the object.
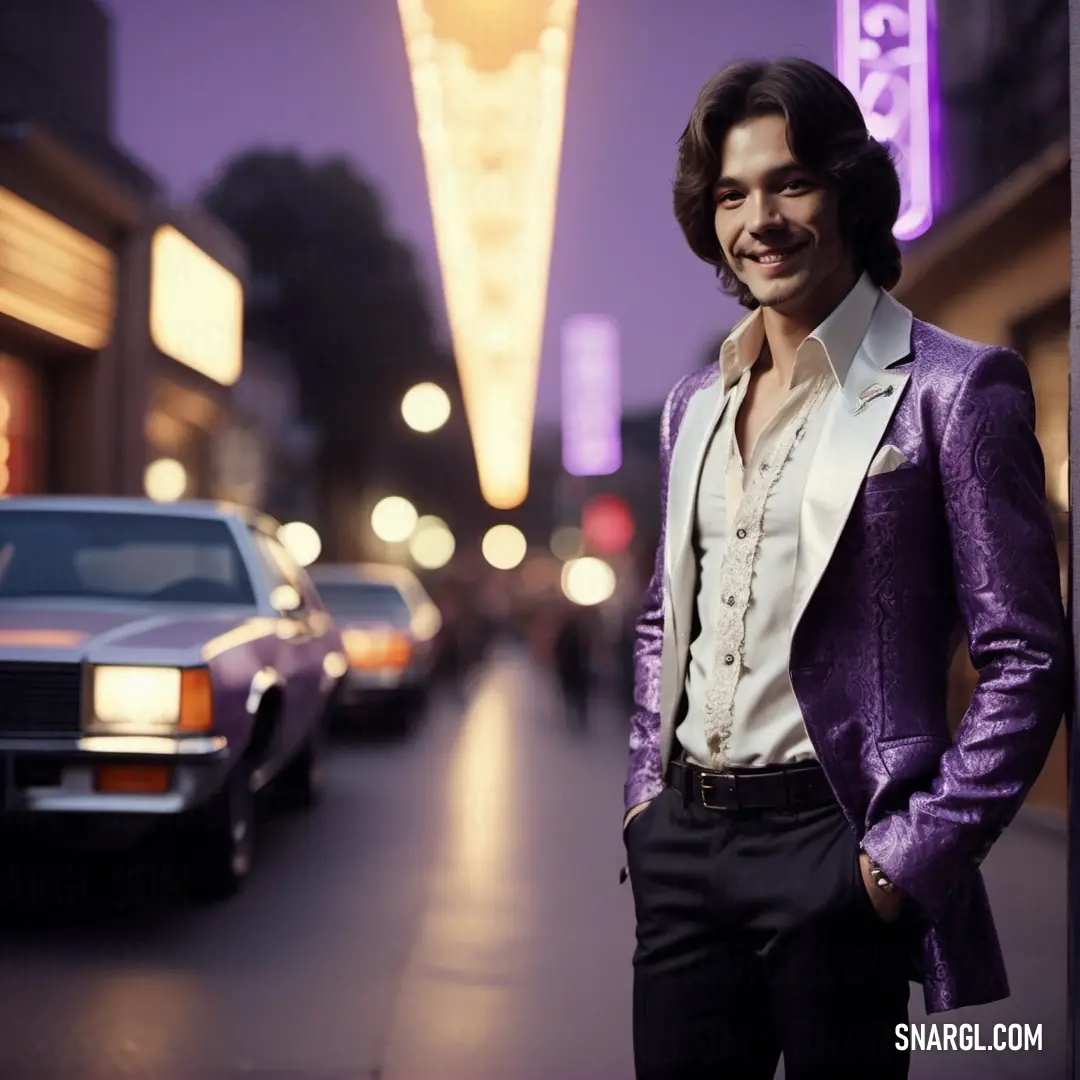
(703, 413)
(854, 428)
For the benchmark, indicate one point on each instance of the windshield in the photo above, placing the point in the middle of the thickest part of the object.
(155, 558)
(366, 600)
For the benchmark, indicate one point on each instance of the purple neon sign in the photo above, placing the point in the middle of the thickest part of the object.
(885, 53)
(591, 396)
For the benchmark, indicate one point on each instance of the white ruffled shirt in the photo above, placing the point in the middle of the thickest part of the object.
(740, 706)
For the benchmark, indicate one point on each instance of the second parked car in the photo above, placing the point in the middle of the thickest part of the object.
(390, 629)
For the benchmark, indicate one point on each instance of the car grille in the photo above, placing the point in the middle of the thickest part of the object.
(40, 699)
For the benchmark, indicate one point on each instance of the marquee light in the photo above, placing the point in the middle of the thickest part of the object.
(489, 82)
(196, 307)
(53, 277)
(885, 56)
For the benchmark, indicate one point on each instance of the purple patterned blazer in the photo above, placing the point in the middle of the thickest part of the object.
(892, 569)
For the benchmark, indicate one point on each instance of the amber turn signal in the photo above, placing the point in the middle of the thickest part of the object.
(196, 701)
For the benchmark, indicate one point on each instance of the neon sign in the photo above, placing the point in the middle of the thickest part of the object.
(885, 57)
(591, 396)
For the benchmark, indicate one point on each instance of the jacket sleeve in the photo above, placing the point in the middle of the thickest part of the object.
(644, 780)
(1007, 584)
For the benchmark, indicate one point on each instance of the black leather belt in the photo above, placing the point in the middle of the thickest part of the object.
(780, 787)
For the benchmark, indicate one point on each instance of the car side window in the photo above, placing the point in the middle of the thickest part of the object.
(294, 572)
(281, 572)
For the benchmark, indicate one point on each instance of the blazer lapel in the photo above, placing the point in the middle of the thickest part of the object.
(856, 424)
(703, 413)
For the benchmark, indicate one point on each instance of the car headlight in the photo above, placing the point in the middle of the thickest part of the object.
(151, 700)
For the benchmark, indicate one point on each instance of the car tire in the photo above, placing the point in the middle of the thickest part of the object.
(225, 851)
(300, 784)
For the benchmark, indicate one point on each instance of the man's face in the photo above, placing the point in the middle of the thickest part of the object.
(777, 223)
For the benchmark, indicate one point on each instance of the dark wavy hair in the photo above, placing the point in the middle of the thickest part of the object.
(826, 134)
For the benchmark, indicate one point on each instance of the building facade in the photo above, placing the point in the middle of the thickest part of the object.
(120, 319)
(995, 267)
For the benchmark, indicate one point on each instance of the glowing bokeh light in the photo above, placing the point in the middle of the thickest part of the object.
(165, 480)
(432, 543)
(607, 524)
(489, 84)
(425, 408)
(504, 546)
(588, 581)
(885, 57)
(566, 542)
(393, 519)
(301, 541)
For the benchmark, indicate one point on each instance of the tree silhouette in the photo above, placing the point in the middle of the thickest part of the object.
(334, 290)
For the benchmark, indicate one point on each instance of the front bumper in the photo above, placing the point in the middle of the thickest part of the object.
(57, 776)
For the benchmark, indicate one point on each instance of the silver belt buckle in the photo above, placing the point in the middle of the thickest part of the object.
(705, 782)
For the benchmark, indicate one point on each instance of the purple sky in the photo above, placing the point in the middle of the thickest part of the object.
(198, 80)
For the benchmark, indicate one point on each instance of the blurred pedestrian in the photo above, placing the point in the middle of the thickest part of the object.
(849, 492)
(573, 667)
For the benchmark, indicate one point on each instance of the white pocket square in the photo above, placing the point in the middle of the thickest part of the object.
(887, 460)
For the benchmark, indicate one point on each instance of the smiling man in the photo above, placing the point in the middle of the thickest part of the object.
(847, 494)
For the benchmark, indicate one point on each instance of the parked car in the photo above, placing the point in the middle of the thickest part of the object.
(389, 629)
(159, 664)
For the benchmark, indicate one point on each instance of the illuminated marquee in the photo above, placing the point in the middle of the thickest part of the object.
(53, 277)
(591, 396)
(196, 307)
(885, 52)
(489, 82)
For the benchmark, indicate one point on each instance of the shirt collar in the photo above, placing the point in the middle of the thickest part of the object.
(831, 347)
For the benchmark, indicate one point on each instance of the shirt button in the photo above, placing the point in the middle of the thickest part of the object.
(729, 659)
(730, 601)
(764, 466)
(741, 534)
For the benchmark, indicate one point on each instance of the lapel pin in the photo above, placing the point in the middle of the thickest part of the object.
(872, 393)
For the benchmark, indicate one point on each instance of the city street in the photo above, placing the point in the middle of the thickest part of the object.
(450, 911)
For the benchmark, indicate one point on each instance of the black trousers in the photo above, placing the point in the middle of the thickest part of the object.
(756, 937)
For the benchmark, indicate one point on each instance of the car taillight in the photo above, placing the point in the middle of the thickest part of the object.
(371, 649)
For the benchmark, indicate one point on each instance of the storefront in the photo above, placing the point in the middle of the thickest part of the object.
(59, 278)
(121, 326)
(1000, 273)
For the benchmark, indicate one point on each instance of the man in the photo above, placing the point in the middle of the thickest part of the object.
(847, 495)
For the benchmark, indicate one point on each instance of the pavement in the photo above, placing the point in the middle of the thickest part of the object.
(451, 911)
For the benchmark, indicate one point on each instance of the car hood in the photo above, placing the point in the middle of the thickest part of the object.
(106, 633)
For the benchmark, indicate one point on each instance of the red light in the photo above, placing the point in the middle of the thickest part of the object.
(607, 524)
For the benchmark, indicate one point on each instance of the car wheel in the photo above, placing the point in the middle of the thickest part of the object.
(301, 783)
(226, 841)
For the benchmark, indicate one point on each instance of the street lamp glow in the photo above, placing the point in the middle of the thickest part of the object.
(425, 408)
(588, 581)
(504, 546)
(301, 541)
(393, 519)
(165, 480)
(489, 85)
(432, 543)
